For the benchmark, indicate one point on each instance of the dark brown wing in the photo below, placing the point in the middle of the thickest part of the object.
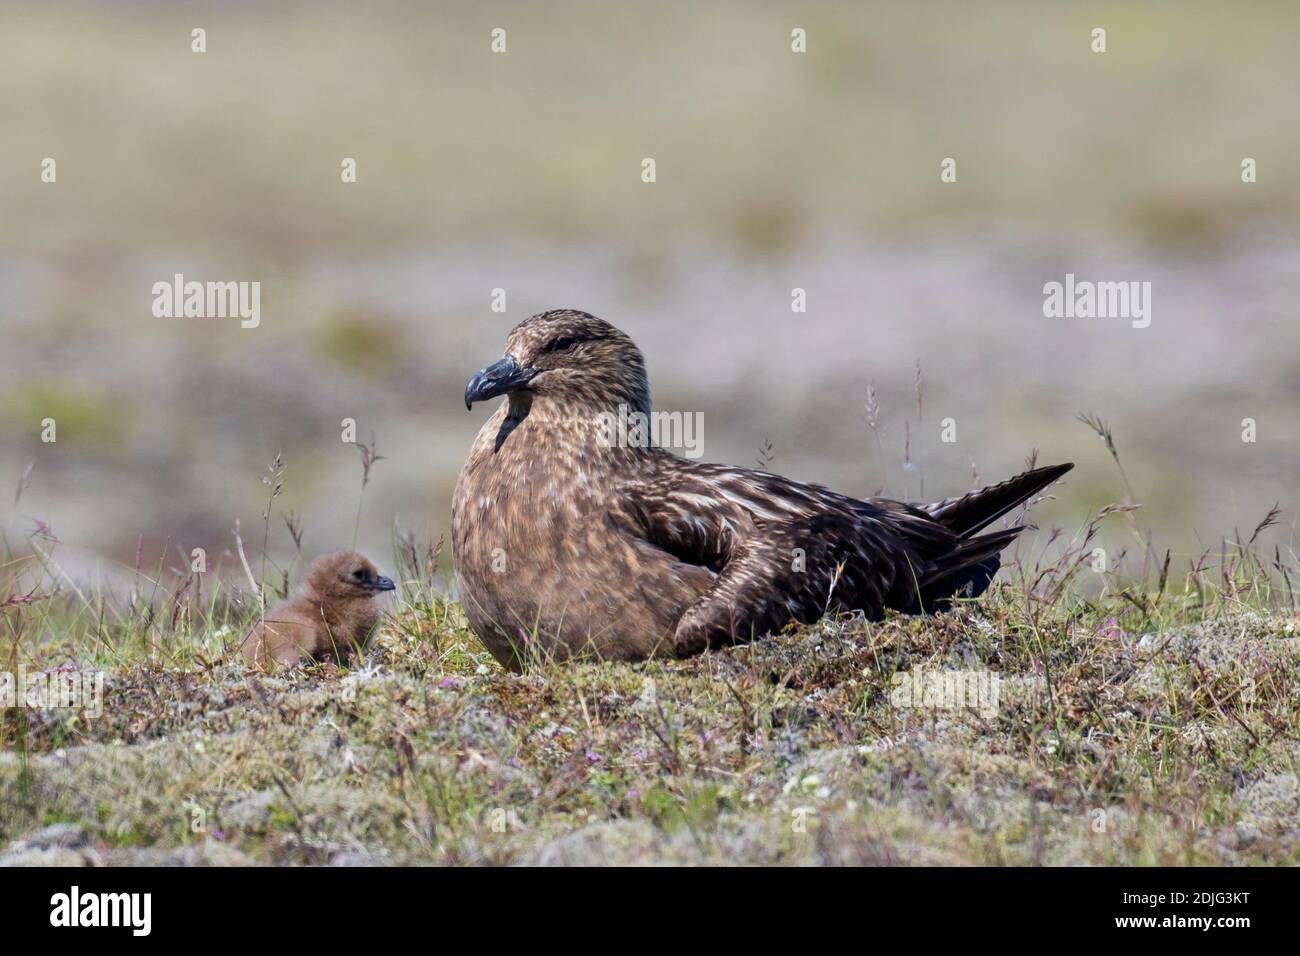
(785, 551)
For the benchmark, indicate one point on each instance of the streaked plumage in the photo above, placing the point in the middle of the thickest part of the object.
(563, 545)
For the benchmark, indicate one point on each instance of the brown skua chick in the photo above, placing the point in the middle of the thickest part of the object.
(332, 618)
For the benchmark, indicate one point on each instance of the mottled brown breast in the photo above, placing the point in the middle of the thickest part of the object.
(542, 563)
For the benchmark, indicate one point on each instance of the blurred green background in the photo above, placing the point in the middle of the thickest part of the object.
(522, 171)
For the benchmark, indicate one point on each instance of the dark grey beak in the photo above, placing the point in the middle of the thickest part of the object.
(381, 584)
(499, 378)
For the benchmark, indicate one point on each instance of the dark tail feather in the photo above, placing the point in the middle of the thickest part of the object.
(971, 513)
(968, 553)
(965, 571)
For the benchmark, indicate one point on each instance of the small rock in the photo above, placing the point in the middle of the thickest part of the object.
(60, 844)
(67, 836)
(1247, 833)
(354, 858)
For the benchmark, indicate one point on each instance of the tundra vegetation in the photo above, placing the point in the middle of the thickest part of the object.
(1125, 712)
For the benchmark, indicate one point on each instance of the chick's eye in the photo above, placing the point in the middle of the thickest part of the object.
(358, 574)
(565, 343)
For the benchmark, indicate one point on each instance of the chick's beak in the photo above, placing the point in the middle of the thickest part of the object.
(381, 584)
(501, 377)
